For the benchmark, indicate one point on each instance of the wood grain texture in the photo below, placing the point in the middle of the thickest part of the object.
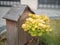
(12, 35)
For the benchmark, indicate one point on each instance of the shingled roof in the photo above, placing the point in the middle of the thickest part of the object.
(16, 12)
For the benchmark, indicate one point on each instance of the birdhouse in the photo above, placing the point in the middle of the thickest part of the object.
(14, 19)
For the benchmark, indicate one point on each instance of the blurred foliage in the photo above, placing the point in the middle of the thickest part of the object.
(54, 37)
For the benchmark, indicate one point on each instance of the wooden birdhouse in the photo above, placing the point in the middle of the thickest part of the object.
(14, 19)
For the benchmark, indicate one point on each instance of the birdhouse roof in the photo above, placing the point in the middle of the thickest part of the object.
(15, 12)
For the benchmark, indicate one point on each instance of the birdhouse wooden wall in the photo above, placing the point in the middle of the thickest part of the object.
(12, 32)
(23, 36)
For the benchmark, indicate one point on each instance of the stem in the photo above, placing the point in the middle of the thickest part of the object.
(32, 40)
(38, 39)
(29, 42)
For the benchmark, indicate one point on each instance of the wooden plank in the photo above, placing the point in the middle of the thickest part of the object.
(23, 36)
(12, 32)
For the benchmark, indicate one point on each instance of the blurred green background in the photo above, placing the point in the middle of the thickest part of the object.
(53, 38)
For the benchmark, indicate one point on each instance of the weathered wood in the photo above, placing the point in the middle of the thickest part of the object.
(16, 12)
(23, 36)
(12, 31)
(14, 20)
